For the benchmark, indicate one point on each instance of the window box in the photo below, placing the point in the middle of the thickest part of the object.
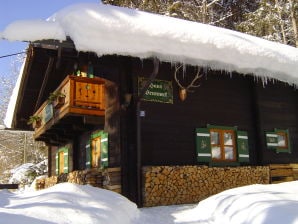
(35, 121)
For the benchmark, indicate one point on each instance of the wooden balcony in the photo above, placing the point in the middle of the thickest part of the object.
(78, 101)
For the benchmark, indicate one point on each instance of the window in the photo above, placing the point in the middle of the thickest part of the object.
(62, 161)
(278, 140)
(97, 150)
(221, 144)
(282, 140)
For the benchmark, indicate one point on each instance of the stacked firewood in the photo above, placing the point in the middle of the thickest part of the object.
(93, 177)
(112, 179)
(295, 170)
(50, 181)
(166, 185)
(40, 183)
(109, 178)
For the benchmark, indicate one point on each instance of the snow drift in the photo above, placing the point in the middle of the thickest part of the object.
(106, 29)
(257, 204)
(75, 204)
(66, 203)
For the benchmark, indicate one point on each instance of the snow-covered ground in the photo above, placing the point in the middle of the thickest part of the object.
(69, 203)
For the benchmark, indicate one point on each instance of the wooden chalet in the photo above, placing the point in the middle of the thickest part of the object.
(131, 115)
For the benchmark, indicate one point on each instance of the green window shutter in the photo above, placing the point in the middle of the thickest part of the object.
(65, 150)
(271, 140)
(203, 145)
(104, 147)
(242, 146)
(57, 163)
(88, 155)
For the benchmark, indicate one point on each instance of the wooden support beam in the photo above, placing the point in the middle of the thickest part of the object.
(44, 82)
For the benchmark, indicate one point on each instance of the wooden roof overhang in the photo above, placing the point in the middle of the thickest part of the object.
(47, 64)
(44, 59)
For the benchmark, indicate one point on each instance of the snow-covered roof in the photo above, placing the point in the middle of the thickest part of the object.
(106, 29)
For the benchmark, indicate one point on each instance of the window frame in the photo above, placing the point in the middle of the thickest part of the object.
(62, 155)
(102, 140)
(285, 136)
(240, 149)
(222, 144)
(95, 152)
(272, 140)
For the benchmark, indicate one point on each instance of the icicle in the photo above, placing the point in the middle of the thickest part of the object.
(264, 81)
(231, 74)
(142, 62)
(184, 70)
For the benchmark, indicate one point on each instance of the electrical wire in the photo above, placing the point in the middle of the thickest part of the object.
(9, 55)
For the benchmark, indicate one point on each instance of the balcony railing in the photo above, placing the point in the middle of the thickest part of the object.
(76, 96)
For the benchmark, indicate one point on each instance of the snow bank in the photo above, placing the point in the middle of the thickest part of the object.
(26, 173)
(75, 204)
(106, 29)
(66, 203)
(257, 204)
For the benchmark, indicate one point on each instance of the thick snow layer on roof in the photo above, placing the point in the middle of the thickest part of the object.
(106, 29)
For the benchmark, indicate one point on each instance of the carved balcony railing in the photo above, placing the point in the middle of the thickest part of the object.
(75, 97)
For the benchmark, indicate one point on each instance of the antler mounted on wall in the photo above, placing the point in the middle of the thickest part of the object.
(183, 90)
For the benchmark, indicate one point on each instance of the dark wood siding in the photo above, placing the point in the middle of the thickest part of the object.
(168, 130)
(278, 108)
(52, 156)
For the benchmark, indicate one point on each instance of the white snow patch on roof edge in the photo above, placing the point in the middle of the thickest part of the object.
(106, 29)
(13, 99)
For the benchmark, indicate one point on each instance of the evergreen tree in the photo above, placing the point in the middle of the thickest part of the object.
(274, 20)
(221, 13)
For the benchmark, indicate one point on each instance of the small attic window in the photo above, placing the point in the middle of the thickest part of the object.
(278, 140)
(282, 141)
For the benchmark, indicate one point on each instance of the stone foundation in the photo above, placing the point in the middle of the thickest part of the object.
(109, 178)
(168, 185)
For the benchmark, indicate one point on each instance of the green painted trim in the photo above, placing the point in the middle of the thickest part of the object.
(242, 146)
(88, 154)
(96, 134)
(209, 126)
(57, 163)
(203, 147)
(64, 149)
(223, 164)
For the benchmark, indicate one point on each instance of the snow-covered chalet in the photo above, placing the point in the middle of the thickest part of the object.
(162, 110)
